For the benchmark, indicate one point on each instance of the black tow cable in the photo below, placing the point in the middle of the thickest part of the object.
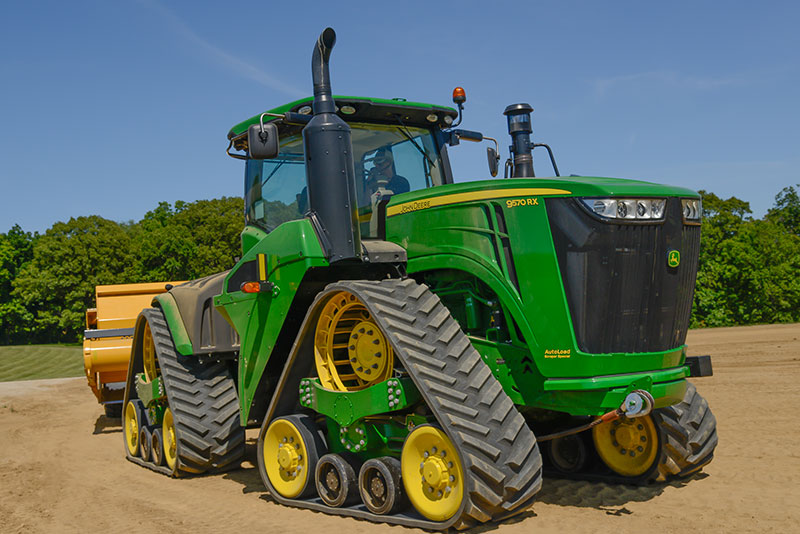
(605, 418)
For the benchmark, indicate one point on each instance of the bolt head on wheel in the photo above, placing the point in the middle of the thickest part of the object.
(350, 350)
(289, 454)
(629, 447)
(132, 425)
(336, 481)
(432, 473)
(568, 454)
(170, 440)
(381, 487)
(145, 443)
(157, 447)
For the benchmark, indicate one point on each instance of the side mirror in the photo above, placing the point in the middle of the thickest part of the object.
(262, 141)
(494, 158)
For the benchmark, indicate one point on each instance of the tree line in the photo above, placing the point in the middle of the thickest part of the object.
(47, 281)
(748, 267)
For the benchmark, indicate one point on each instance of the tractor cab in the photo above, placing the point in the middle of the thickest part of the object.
(398, 147)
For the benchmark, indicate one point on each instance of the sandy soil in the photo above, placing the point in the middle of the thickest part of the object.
(62, 467)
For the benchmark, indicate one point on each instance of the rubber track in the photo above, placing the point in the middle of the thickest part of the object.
(204, 405)
(496, 447)
(689, 434)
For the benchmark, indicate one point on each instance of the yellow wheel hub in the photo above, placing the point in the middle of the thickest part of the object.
(285, 458)
(350, 351)
(149, 354)
(368, 351)
(170, 439)
(628, 446)
(132, 428)
(432, 473)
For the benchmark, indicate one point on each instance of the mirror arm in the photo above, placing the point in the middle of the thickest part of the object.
(496, 146)
(235, 156)
(460, 115)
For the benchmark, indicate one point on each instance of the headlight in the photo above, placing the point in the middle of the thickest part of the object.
(627, 208)
(692, 209)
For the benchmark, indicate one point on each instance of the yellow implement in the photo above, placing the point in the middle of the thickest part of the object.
(109, 334)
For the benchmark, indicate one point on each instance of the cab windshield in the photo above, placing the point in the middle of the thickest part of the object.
(389, 160)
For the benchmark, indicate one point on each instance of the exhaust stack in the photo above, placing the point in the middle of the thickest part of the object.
(520, 129)
(330, 173)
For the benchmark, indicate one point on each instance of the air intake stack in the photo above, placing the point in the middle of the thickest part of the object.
(520, 129)
(330, 171)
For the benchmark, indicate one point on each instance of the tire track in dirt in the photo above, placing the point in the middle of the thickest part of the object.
(62, 467)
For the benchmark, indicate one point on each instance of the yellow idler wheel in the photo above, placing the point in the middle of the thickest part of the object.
(290, 455)
(432, 473)
(149, 360)
(131, 426)
(350, 350)
(628, 446)
(170, 440)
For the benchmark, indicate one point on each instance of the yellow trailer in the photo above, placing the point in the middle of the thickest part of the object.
(108, 337)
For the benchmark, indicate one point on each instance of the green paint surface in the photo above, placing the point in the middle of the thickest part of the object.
(345, 407)
(291, 250)
(458, 228)
(175, 322)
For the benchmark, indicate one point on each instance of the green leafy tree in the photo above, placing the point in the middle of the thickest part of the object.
(69, 260)
(164, 250)
(16, 248)
(787, 210)
(215, 227)
(748, 268)
(188, 241)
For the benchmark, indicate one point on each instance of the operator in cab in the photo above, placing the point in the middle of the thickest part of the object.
(383, 176)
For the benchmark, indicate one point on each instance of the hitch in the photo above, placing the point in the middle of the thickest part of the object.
(637, 403)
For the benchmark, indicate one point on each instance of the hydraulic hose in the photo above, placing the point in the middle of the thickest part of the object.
(605, 418)
(637, 403)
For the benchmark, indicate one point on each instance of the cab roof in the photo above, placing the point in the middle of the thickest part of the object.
(366, 110)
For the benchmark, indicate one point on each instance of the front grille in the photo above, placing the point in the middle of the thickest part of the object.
(622, 295)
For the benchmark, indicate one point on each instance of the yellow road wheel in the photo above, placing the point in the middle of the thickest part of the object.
(289, 455)
(432, 473)
(131, 426)
(170, 440)
(149, 360)
(351, 352)
(628, 446)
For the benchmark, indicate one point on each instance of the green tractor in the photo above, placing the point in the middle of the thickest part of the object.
(402, 340)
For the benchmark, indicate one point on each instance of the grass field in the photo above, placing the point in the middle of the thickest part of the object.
(29, 362)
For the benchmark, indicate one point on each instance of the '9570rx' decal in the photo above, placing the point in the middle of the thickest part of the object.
(517, 202)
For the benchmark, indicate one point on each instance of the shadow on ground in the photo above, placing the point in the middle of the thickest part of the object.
(107, 425)
(601, 495)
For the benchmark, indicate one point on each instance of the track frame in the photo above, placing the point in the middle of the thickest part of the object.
(496, 447)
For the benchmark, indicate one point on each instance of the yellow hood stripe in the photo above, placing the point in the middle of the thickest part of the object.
(458, 198)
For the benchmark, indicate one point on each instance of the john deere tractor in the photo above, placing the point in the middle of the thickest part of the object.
(402, 340)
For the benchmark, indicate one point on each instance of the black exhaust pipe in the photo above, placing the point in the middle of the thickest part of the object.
(330, 173)
(320, 73)
(520, 130)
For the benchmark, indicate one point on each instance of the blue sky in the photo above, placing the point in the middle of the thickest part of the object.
(108, 108)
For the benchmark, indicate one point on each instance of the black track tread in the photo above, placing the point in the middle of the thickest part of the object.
(496, 447)
(689, 434)
(204, 404)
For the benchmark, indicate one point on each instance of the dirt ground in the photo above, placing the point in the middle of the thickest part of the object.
(62, 467)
